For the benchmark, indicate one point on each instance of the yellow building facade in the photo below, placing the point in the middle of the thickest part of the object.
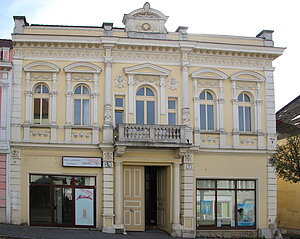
(127, 129)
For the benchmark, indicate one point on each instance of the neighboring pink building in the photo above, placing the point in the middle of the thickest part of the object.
(5, 86)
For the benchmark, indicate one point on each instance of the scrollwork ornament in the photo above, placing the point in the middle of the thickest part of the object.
(173, 84)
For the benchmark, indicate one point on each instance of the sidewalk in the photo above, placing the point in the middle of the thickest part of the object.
(29, 232)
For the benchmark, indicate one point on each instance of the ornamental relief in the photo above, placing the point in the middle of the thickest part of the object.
(59, 53)
(40, 76)
(82, 77)
(208, 83)
(226, 61)
(120, 81)
(249, 141)
(81, 135)
(40, 134)
(173, 84)
(147, 79)
(137, 57)
(210, 139)
(246, 86)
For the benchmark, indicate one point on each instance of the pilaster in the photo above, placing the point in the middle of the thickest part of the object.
(15, 185)
(108, 190)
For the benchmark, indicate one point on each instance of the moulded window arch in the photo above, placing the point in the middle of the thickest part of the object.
(81, 105)
(207, 110)
(244, 112)
(145, 105)
(41, 104)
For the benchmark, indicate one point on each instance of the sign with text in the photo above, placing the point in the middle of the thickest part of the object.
(82, 162)
(84, 207)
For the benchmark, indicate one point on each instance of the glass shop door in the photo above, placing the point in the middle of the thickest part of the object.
(63, 206)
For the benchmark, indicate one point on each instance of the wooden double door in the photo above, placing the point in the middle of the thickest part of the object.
(146, 197)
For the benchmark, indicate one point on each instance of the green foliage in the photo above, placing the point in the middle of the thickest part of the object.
(286, 160)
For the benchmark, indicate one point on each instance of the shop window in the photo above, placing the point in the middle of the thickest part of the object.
(207, 111)
(244, 111)
(145, 106)
(226, 204)
(81, 105)
(172, 111)
(41, 104)
(57, 200)
(119, 110)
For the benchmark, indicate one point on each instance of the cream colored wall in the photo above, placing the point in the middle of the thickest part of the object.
(288, 206)
(237, 166)
(49, 161)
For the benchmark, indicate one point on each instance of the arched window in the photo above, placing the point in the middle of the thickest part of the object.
(244, 107)
(207, 119)
(145, 106)
(81, 105)
(41, 104)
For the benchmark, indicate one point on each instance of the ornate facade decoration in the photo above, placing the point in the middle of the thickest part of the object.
(173, 84)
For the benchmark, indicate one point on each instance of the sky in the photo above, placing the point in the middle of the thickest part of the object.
(224, 17)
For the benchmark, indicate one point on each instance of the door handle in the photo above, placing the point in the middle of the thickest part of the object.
(131, 210)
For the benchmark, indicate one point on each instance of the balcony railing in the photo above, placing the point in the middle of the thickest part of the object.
(155, 134)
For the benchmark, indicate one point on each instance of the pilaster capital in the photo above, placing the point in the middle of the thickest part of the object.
(53, 92)
(69, 93)
(29, 93)
(4, 85)
(120, 150)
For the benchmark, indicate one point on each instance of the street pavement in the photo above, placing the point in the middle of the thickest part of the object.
(30, 232)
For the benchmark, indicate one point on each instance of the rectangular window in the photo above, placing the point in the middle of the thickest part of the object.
(119, 110)
(202, 117)
(210, 117)
(172, 111)
(248, 118)
(226, 204)
(241, 118)
(85, 110)
(77, 112)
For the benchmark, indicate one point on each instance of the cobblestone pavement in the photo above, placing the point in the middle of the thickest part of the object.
(15, 231)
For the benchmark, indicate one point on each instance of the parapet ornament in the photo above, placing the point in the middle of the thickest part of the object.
(186, 116)
(107, 114)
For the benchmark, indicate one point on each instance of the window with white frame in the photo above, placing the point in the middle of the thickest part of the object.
(145, 105)
(207, 119)
(244, 112)
(41, 104)
(119, 110)
(81, 105)
(172, 111)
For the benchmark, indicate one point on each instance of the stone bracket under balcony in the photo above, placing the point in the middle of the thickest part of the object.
(171, 136)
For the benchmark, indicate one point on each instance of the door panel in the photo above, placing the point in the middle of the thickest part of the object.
(134, 215)
(163, 197)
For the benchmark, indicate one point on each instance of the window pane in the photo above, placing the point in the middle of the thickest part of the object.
(246, 97)
(209, 96)
(241, 118)
(150, 112)
(119, 117)
(240, 98)
(39, 179)
(205, 208)
(140, 92)
(171, 118)
(61, 180)
(38, 89)
(202, 96)
(84, 181)
(244, 184)
(86, 115)
(225, 184)
(210, 117)
(78, 90)
(36, 110)
(77, 112)
(85, 90)
(225, 208)
(202, 117)
(139, 112)
(245, 208)
(119, 102)
(206, 184)
(171, 104)
(45, 89)
(248, 118)
(149, 92)
(45, 107)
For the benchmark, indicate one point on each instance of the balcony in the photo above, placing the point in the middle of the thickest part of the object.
(153, 135)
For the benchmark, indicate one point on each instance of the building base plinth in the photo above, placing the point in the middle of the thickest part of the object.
(176, 230)
(270, 233)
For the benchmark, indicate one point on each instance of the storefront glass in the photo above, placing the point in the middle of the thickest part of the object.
(225, 204)
(62, 200)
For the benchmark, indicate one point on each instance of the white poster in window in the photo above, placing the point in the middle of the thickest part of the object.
(84, 207)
